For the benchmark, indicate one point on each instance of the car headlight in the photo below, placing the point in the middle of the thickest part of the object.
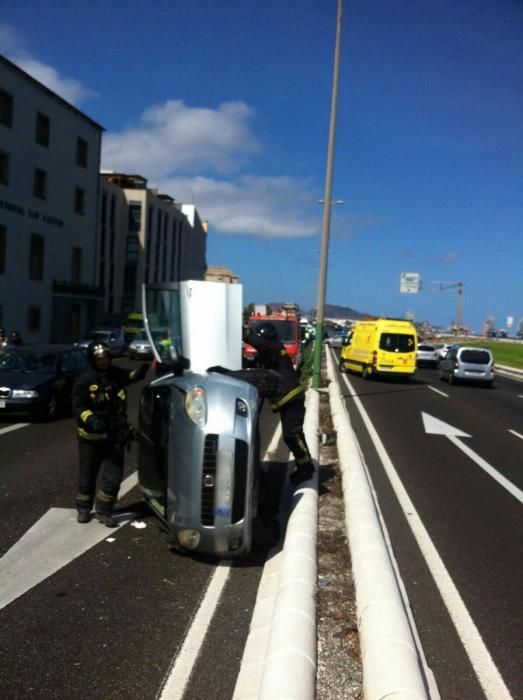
(189, 539)
(196, 405)
(24, 394)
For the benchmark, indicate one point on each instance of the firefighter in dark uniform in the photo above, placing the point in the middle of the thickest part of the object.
(100, 408)
(271, 354)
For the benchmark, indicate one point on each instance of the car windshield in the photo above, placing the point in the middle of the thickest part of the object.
(164, 322)
(141, 337)
(99, 335)
(397, 342)
(37, 362)
(426, 348)
(475, 357)
(286, 329)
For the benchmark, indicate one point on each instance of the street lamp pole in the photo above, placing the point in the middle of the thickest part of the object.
(322, 282)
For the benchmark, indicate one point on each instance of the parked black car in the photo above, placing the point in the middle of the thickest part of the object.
(38, 379)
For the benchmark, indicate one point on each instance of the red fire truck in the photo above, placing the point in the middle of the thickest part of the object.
(286, 322)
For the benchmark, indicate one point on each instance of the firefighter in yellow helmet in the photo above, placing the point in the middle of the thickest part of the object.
(100, 408)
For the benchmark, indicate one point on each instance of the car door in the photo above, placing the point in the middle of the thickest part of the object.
(66, 378)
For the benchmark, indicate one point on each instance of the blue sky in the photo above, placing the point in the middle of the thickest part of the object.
(227, 105)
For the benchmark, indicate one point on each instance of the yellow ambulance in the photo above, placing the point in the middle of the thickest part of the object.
(381, 347)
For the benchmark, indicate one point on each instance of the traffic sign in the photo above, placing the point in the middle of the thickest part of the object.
(410, 282)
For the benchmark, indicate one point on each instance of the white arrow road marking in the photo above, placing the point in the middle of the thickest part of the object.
(53, 541)
(516, 434)
(434, 426)
(442, 393)
(16, 426)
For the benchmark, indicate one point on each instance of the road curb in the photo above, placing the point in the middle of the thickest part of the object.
(280, 655)
(392, 665)
(512, 372)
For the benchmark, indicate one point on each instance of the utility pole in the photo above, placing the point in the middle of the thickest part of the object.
(459, 318)
(322, 282)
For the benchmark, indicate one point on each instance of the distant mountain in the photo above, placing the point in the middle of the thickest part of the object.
(335, 311)
(331, 311)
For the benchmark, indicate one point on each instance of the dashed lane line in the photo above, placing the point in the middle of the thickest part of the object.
(16, 426)
(519, 435)
(442, 393)
(176, 683)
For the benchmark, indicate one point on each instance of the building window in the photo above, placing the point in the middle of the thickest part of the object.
(4, 168)
(76, 265)
(158, 245)
(6, 108)
(40, 184)
(3, 241)
(79, 200)
(135, 216)
(132, 249)
(81, 152)
(36, 258)
(33, 319)
(42, 129)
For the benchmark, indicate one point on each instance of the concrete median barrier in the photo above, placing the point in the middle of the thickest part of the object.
(280, 655)
(393, 663)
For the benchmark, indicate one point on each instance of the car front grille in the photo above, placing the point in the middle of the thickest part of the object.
(5, 392)
(209, 479)
(241, 456)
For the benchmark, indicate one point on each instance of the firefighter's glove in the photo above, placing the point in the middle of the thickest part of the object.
(98, 425)
(142, 371)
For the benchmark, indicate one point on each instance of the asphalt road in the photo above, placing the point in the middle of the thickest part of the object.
(474, 521)
(110, 623)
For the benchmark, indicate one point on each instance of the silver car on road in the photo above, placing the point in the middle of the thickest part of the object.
(470, 364)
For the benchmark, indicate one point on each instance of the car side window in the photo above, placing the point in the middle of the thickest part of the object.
(67, 362)
(80, 360)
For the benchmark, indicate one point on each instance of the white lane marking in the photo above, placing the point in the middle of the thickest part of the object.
(442, 393)
(486, 670)
(516, 434)
(51, 543)
(180, 672)
(183, 664)
(434, 426)
(16, 426)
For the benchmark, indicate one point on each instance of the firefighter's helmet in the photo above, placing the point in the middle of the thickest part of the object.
(97, 349)
(267, 330)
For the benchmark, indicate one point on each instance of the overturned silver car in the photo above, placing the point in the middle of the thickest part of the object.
(198, 429)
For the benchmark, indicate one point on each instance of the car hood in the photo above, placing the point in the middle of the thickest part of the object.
(25, 380)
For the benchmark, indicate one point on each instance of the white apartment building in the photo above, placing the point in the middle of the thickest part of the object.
(49, 182)
(143, 236)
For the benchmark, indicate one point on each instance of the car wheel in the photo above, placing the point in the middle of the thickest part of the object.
(341, 366)
(365, 373)
(452, 378)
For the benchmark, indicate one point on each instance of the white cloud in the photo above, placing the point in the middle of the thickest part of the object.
(266, 207)
(173, 137)
(448, 257)
(12, 46)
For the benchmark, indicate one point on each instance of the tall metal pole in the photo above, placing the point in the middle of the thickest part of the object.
(459, 318)
(322, 282)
